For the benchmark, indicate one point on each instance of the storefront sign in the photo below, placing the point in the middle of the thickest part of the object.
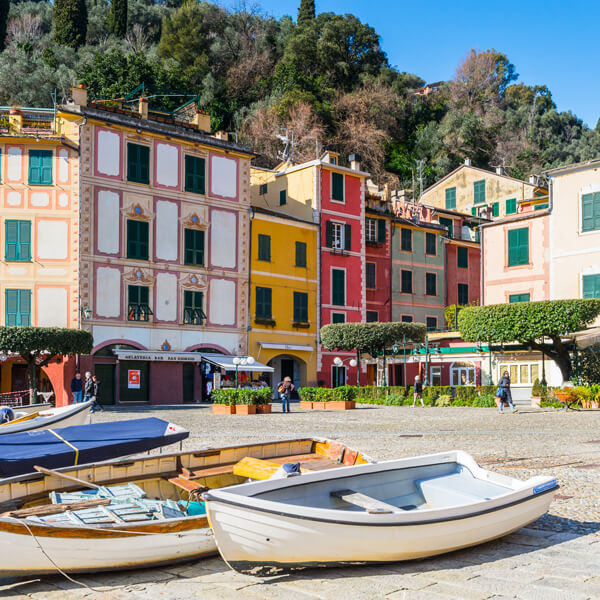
(134, 379)
(158, 356)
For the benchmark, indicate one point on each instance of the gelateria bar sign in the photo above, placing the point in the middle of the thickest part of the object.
(158, 356)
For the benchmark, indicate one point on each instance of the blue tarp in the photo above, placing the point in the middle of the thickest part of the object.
(19, 452)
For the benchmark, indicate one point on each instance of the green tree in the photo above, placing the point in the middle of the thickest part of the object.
(532, 324)
(4, 8)
(37, 346)
(306, 12)
(70, 22)
(117, 17)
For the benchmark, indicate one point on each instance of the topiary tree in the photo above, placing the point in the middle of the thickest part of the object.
(531, 323)
(117, 17)
(37, 346)
(70, 22)
(306, 12)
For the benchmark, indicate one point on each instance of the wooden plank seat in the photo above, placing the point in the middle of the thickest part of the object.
(207, 472)
(371, 505)
(189, 485)
(308, 462)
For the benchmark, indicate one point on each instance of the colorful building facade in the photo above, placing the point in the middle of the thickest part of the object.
(378, 265)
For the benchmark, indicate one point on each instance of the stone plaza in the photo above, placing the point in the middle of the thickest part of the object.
(557, 557)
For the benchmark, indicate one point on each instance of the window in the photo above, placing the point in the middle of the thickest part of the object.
(338, 317)
(264, 247)
(462, 257)
(451, 198)
(195, 168)
(337, 187)
(435, 376)
(262, 189)
(371, 230)
(372, 316)
(518, 247)
(521, 373)
(40, 167)
(138, 163)
(17, 236)
(590, 211)
(511, 206)
(137, 239)
(431, 323)
(591, 286)
(338, 376)
(17, 308)
(463, 294)
(300, 307)
(496, 209)
(462, 373)
(338, 235)
(430, 284)
(371, 276)
(264, 303)
(137, 306)
(381, 233)
(282, 197)
(430, 244)
(406, 240)
(300, 254)
(479, 191)
(449, 223)
(193, 247)
(474, 211)
(338, 287)
(406, 282)
(406, 319)
(519, 298)
(541, 206)
(193, 308)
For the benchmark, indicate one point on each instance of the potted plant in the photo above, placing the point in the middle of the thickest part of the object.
(307, 395)
(263, 397)
(566, 395)
(244, 404)
(536, 393)
(321, 397)
(223, 402)
(342, 398)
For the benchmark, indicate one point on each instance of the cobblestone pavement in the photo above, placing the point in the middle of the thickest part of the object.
(557, 557)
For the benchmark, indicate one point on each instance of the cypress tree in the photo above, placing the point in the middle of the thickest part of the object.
(4, 8)
(306, 12)
(117, 17)
(70, 22)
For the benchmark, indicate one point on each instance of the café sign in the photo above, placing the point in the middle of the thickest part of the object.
(158, 356)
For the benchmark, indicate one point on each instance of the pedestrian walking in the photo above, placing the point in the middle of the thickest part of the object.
(76, 388)
(96, 394)
(418, 391)
(88, 387)
(503, 393)
(285, 389)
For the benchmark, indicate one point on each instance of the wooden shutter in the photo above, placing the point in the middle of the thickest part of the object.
(496, 209)
(587, 211)
(24, 240)
(523, 246)
(591, 286)
(518, 246)
(347, 237)
(338, 287)
(300, 254)
(11, 311)
(282, 197)
(11, 240)
(35, 167)
(511, 206)
(46, 167)
(24, 308)
(337, 187)
(329, 234)
(381, 231)
(200, 175)
(462, 257)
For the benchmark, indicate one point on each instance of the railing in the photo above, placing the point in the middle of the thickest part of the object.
(33, 120)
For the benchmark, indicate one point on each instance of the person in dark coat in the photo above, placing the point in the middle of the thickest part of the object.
(285, 389)
(76, 388)
(88, 387)
(503, 394)
(418, 391)
(96, 394)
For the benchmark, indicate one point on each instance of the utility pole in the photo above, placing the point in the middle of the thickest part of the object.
(420, 168)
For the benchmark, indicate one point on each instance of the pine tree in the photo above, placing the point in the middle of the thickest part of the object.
(117, 17)
(306, 12)
(4, 8)
(70, 22)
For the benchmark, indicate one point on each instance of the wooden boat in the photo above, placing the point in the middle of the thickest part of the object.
(389, 511)
(63, 416)
(118, 545)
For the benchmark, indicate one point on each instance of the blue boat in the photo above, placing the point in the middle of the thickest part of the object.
(79, 444)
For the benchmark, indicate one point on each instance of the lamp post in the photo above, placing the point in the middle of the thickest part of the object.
(338, 362)
(543, 382)
(237, 361)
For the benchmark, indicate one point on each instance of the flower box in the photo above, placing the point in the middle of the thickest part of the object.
(263, 409)
(340, 405)
(223, 409)
(245, 409)
(306, 404)
(318, 405)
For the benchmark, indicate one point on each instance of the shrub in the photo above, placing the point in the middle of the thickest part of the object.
(485, 401)
(307, 394)
(394, 400)
(345, 393)
(466, 394)
(227, 397)
(536, 390)
(242, 396)
(263, 395)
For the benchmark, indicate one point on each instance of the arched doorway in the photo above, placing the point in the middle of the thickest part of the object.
(287, 365)
(105, 369)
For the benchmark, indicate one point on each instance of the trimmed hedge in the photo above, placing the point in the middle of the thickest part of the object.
(369, 336)
(345, 393)
(232, 396)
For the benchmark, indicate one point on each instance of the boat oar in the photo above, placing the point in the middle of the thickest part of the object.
(65, 476)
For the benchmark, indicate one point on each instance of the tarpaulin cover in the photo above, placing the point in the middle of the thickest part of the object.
(19, 452)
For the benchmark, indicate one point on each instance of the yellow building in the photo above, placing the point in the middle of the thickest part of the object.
(283, 295)
(483, 193)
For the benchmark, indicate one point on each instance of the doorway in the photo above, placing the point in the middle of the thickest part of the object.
(133, 381)
(106, 376)
(188, 382)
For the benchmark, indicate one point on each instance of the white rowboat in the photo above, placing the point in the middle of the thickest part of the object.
(63, 416)
(375, 513)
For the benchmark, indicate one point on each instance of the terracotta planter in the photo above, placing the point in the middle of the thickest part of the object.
(223, 409)
(263, 409)
(245, 409)
(536, 401)
(318, 405)
(306, 404)
(340, 405)
(596, 404)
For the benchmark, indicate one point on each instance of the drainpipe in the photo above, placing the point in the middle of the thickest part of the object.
(317, 219)
(551, 244)
(248, 326)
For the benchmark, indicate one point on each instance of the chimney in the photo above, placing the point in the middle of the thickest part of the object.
(143, 107)
(79, 95)
(533, 179)
(15, 120)
(468, 162)
(354, 160)
(202, 121)
(499, 170)
(222, 135)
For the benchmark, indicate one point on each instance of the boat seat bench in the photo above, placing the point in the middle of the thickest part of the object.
(371, 505)
(458, 488)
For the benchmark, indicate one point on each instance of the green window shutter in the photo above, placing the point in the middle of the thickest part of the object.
(337, 187)
(381, 231)
(17, 236)
(590, 209)
(329, 234)
(406, 240)
(193, 247)
(24, 308)
(144, 295)
(371, 276)
(137, 239)
(347, 237)
(406, 282)
(264, 247)
(46, 166)
(195, 169)
(518, 298)
(263, 303)
(300, 307)
(511, 206)
(282, 197)
(541, 206)
(40, 167)
(496, 209)
(518, 247)
(591, 286)
(430, 244)
(479, 191)
(300, 254)
(18, 308)
(451, 198)
(474, 211)
(24, 240)
(463, 294)
(430, 284)
(462, 257)
(338, 287)
(138, 163)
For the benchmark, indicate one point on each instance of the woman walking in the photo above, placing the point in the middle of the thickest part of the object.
(503, 394)
(418, 391)
(285, 389)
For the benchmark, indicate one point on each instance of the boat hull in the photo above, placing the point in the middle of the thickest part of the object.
(64, 416)
(258, 543)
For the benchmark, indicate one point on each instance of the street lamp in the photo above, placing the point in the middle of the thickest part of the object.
(237, 361)
(338, 362)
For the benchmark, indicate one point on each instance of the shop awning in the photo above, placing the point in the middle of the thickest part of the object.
(588, 337)
(226, 362)
(293, 347)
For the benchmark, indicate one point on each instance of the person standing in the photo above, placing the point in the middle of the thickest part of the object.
(88, 387)
(503, 394)
(95, 394)
(285, 389)
(76, 388)
(418, 391)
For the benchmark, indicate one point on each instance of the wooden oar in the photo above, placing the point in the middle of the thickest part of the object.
(65, 476)
(53, 509)
(21, 419)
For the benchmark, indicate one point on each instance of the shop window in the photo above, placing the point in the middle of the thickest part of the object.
(301, 254)
(337, 187)
(193, 308)
(407, 319)
(462, 373)
(435, 376)
(193, 247)
(430, 284)
(300, 307)
(17, 308)
(338, 287)
(406, 282)
(264, 247)
(138, 308)
(17, 236)
(195, 174)
(40, 167)
(138, 163)
(338, 378)
(264, 307)
(137, 239)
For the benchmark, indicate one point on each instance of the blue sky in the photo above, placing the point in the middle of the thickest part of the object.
(550, 43)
